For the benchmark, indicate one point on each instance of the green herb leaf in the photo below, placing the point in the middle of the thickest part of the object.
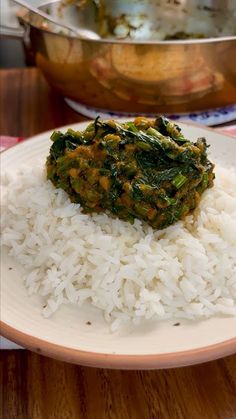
(179, 180)
(56, 135)
(205, 180)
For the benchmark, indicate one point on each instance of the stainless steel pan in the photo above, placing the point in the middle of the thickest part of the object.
(141, 72)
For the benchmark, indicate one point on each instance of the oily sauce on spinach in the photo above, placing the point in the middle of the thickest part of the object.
(142, 169)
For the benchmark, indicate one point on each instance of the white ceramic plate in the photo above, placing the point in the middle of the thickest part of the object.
(67, 336)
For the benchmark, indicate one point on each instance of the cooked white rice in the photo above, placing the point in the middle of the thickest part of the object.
(129, 271)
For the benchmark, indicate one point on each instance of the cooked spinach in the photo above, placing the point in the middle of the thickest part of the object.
(143, 168)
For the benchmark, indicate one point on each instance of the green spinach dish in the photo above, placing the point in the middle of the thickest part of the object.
(143, 169)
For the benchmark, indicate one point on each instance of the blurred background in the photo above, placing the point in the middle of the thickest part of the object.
(164, 56)
(11, 50)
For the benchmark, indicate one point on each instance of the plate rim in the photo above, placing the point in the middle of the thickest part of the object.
(121, 361)
(118, 361)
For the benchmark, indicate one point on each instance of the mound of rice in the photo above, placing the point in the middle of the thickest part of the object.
(129, 271)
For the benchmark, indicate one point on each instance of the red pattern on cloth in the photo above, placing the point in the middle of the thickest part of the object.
(6, 141)
(231, 130)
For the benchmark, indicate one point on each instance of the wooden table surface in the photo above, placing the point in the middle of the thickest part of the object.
(36, 387)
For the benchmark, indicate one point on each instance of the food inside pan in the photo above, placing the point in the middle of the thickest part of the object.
(160, 19)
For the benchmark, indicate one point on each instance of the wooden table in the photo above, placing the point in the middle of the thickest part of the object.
(36, 387)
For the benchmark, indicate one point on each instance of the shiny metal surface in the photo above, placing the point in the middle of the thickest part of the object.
(78, 32)
(139, 75)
